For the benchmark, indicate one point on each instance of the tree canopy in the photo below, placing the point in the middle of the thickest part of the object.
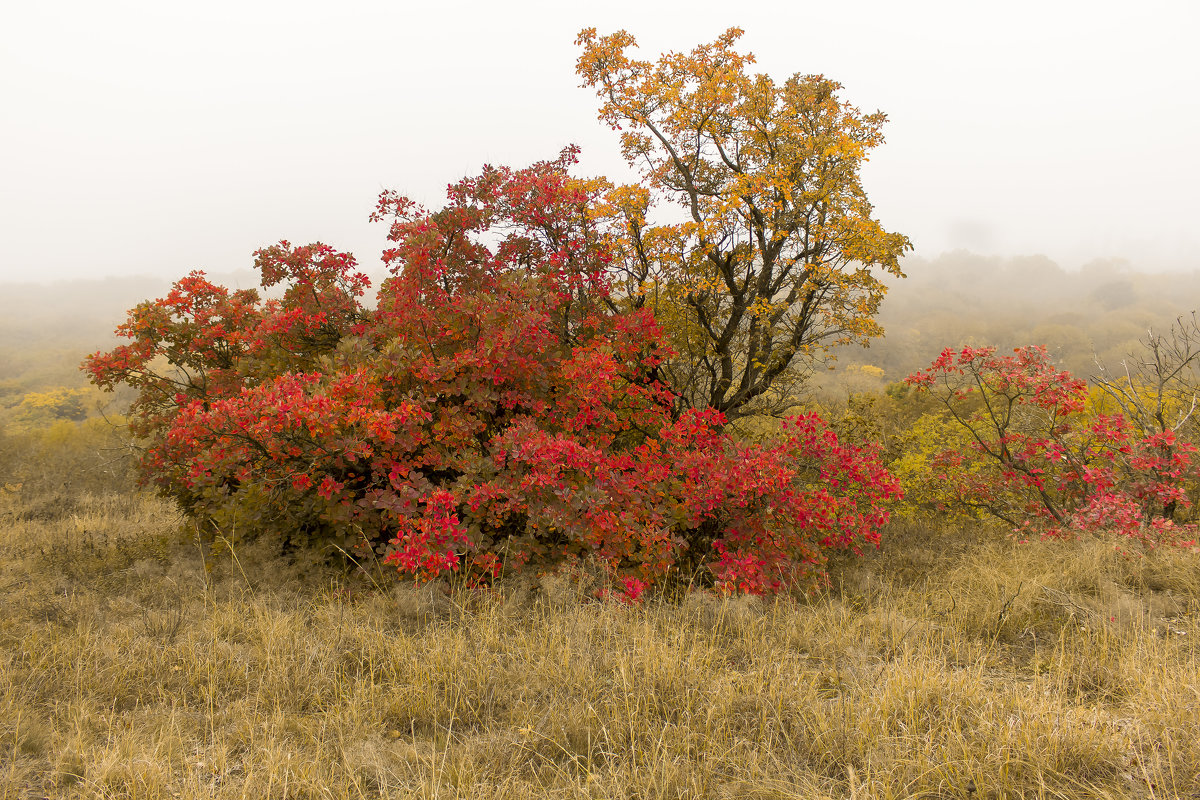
(773, 261)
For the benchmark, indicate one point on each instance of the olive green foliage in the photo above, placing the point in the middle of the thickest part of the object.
(58, 434)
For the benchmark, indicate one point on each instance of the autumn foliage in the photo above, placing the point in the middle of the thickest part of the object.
(495, 409)
(776, 256)
(1037, 457)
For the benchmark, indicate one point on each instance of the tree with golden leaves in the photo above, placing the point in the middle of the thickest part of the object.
(775, 259)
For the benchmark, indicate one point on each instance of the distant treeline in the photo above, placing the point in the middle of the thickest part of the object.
(1097, 312)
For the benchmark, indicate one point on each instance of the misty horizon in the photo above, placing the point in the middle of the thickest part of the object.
(151, 139)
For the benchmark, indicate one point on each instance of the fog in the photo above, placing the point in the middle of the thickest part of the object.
(146, 138)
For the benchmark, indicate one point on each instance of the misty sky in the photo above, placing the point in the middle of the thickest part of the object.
(158, 137)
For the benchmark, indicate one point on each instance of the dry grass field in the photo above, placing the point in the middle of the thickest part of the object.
(951, 664)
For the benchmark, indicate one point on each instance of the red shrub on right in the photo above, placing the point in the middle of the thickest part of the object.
(1038, 462)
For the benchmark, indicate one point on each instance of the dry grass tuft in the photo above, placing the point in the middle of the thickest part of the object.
(951, 664)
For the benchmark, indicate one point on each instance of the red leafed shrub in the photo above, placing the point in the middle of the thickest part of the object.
(497, 408)
(1039, 462)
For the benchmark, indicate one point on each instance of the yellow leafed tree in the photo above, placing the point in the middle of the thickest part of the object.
(776, 256)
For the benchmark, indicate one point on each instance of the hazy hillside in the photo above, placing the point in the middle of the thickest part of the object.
(955, 299)
(962, 298)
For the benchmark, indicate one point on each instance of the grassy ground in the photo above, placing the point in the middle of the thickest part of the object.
(951, 664)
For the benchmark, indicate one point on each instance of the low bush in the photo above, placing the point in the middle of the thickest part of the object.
(1017, 441)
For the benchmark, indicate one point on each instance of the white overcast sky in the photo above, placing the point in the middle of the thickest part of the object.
(158, 137)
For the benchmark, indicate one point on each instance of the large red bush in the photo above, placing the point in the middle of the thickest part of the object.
(497, 408)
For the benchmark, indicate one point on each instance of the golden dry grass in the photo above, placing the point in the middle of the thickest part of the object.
(951, 664)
